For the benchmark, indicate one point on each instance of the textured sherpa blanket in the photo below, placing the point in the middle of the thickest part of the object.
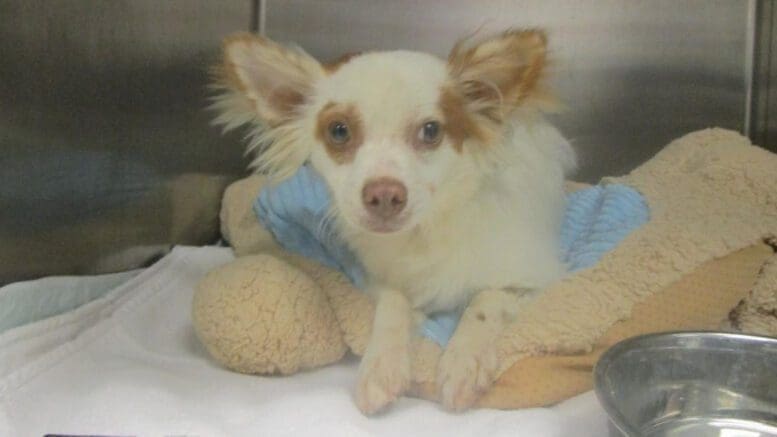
(296, 212)
(713, 202)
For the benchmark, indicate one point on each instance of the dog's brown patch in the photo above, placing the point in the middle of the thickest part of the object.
(333, 66)
(332, 112)
(511, 64)
(480, 316)
(503, 72)
(286, 101)
(458, 123)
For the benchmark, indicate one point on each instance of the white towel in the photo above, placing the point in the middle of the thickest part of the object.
(130, 364)
(30, 301)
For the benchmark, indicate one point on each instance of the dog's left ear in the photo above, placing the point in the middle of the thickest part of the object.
(501, 73)
(277, 79)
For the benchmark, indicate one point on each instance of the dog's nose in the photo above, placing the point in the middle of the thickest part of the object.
(385, 197)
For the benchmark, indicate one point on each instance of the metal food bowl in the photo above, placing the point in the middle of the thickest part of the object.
(690, 384)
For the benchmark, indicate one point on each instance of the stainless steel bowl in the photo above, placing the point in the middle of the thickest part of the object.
(690, 384)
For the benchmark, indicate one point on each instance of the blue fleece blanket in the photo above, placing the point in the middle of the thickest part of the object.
(294, 211)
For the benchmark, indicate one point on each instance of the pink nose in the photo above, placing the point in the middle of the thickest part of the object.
(384, 198)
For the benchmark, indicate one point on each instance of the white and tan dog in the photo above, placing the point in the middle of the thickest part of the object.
(446, 182)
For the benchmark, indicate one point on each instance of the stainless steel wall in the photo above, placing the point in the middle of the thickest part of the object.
(633, 73)
(763, 126)
(106, 153)
(107, 158)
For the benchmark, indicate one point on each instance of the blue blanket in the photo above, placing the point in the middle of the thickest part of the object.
(294, 211)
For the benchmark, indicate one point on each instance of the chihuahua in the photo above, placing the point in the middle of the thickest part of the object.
(445, 179)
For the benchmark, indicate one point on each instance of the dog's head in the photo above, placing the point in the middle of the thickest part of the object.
(398, 136)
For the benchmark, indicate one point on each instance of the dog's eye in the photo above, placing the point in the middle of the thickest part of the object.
(430, 133)
(339, 132)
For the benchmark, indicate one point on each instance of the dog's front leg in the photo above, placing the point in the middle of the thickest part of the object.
(470, 364)
(384, 373)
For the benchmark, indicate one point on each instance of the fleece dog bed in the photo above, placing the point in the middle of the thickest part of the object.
(296, 211)
(704, 251)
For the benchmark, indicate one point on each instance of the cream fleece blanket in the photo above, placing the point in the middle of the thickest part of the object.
(713, 201)
(758, 312)
(710, 193)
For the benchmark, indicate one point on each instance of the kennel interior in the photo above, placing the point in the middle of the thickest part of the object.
(110, 161)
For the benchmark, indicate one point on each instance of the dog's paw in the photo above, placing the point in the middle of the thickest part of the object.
(383, 377)
(465, 373)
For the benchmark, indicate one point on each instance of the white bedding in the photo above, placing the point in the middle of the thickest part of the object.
(130, 364)
(28, 301)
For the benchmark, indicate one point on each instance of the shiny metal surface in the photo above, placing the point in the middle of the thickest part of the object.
(107, 153)
(763, 126)
(690, 384)
(634, 74)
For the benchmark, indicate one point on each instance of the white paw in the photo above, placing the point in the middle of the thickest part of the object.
(383, 377)
(465, 373)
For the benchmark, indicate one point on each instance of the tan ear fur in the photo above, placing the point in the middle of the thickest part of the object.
(265, 85)
(276, 78)
(493, 78)
(503, 73)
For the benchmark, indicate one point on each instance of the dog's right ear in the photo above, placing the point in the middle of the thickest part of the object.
(276, 79)
(266, 85)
